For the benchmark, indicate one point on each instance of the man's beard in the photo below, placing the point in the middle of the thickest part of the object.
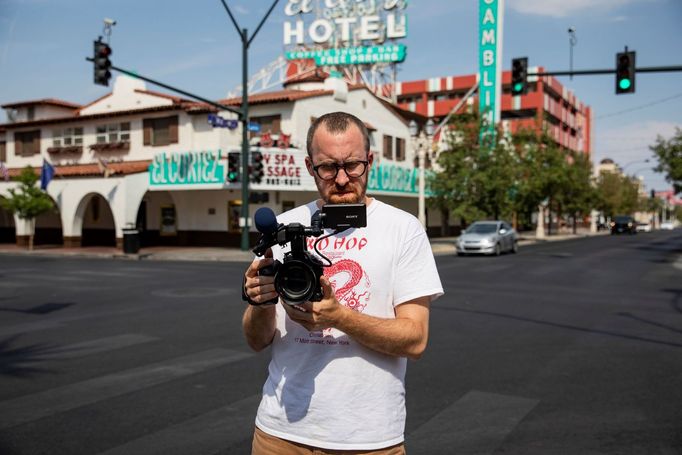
(349, 196)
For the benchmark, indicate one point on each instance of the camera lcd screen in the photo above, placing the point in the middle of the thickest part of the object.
(344, 216)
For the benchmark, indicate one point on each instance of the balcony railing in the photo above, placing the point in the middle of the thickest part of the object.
(65, 149)
(121, 146)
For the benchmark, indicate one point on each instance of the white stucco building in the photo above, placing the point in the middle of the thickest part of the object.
(139, 158)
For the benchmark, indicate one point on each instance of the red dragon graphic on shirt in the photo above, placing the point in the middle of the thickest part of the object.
(351, 285)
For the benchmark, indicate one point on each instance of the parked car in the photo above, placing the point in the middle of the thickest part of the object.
(623, 224)
(667, 226)
(643, 227)
(488, 237)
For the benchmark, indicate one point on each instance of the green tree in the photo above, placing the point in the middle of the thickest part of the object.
(544, 171)
(454, 186)
(475, 180)
(617, 194)
(578, 195)
(669, 155)
(28, 201)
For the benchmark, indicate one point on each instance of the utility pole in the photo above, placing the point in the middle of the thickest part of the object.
(244, 118)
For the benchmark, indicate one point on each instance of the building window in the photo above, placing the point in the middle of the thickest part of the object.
(113, 133)
(388, 147)
(30, 113)
(27, 143)
(399, 149)
(160, 131)
(67, 137)
(3, 152)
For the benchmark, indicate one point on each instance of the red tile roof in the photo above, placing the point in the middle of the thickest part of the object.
(175, 99)
(44, 101)
(93, 169)
(282, 96)
(192, 108)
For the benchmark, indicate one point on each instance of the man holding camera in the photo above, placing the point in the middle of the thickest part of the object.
(336, 380)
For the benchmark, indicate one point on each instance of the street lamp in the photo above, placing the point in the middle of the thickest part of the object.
(421, 141)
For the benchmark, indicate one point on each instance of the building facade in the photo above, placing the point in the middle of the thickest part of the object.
(140, 159)
(547, 105)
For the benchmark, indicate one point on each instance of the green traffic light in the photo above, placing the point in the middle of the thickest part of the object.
(518, 87)
(624, 84)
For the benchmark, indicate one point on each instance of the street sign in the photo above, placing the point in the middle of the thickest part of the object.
(491, 14)
(217, 121)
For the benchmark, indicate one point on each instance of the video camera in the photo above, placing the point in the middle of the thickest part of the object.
(297, 278)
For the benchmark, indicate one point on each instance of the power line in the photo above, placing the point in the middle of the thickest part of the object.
(636, 108)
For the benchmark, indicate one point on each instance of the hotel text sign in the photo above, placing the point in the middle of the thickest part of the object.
(389, 53)
(344, 23)
(189, 168)
(491, 13)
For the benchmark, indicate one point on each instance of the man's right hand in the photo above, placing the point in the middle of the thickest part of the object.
(260, 288)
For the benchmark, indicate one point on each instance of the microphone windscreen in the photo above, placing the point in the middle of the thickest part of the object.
(265, 220)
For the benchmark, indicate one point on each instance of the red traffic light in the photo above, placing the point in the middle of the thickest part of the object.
(101, 53)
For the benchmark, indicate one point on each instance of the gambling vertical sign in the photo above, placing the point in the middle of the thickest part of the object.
(491, 13)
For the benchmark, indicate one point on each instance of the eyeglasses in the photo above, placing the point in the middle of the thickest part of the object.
(353, 169)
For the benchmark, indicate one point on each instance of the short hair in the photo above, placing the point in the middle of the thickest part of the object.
(336, 122)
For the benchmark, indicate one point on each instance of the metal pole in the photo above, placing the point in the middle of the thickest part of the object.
(422, 151)
(647, 69)
(245, 142)
(173, 89)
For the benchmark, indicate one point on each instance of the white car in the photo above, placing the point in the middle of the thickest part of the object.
(667, 226)
(643, 227)
(487, 237)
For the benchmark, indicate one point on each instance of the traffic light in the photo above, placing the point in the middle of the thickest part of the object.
(519, 79)
(233, 166)
(625, 72)
(102, 51)
(256, 167)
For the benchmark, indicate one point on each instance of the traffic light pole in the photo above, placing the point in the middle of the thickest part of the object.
(246, 41)
(646, 69)
(174, 89)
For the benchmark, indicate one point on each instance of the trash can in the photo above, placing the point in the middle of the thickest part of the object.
(131, 241)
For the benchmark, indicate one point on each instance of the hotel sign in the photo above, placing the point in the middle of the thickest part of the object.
(190, 168)
(341, 25)
(390, 53)
(491, 13)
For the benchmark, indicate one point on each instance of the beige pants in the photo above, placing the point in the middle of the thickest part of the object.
(265, 444)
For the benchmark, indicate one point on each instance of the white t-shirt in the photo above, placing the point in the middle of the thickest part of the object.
(324, 389)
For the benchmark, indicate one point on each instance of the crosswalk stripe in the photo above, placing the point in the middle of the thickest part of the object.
(49, 402)
(97, 346)
(206, 434)
(476, 423)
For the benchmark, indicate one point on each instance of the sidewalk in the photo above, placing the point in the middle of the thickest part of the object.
(440, 246)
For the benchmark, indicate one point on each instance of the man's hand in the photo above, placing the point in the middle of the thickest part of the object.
(316, 316)
(259, 321)
(406, 335)
(260, 288)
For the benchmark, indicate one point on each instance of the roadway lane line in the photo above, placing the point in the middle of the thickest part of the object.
(206, 434)
(476, 423)
(49, 402)
(97, 346)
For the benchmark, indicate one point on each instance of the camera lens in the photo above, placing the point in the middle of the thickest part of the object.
(295, 282)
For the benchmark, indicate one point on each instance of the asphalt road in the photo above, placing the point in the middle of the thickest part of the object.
(568, 347)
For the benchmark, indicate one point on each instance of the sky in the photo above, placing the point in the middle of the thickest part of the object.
(193, 45)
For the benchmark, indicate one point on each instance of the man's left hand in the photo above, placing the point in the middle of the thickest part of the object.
(316, 316)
